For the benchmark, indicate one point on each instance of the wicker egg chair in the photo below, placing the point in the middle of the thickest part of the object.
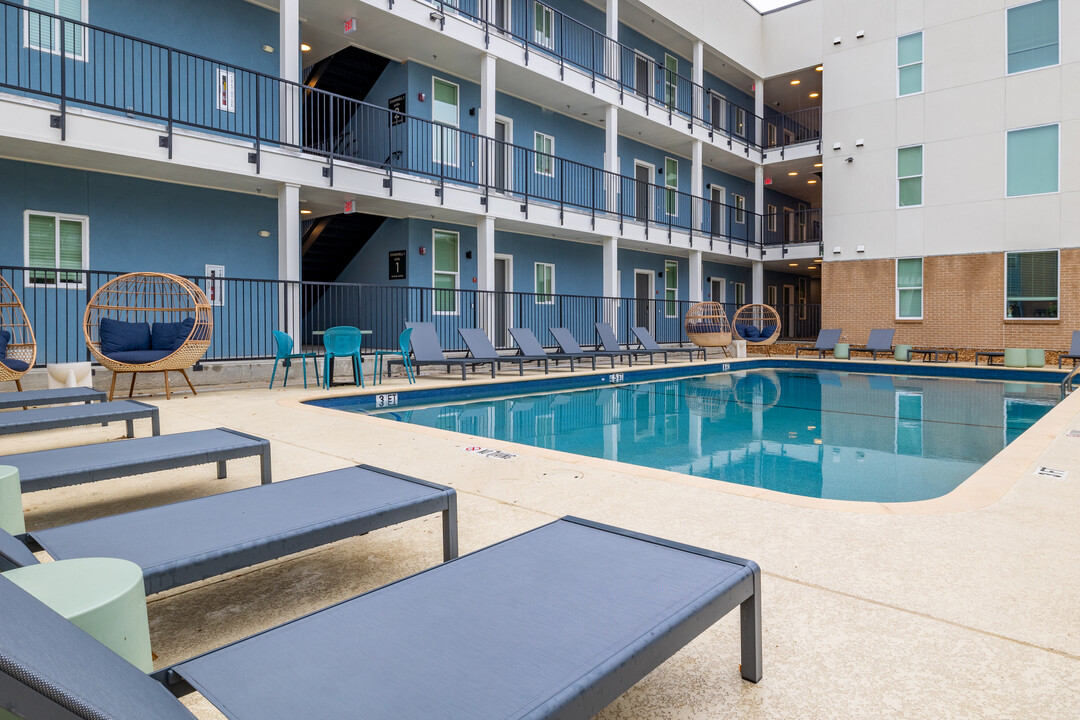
(707, 325)
(21, 345)
(156, 322)
(757, 317)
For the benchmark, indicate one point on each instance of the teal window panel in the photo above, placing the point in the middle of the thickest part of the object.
(1033, 36)
(1032, 161)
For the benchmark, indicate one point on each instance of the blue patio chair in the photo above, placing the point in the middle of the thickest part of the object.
(403, 351)
(342, 341)
(284, 345)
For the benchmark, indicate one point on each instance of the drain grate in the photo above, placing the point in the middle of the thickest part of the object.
(1051, 473)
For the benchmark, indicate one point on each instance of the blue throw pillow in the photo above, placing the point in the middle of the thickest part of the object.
(118, 336)
(170, 336)
(767, 331)
(5, 338)
(750, 332)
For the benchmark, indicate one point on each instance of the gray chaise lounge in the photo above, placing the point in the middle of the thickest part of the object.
(50, 418)
(427, 350)
(647, 341)
(554, 623)
(197, 539)
(569, 345)
(482, 349)
(1073, 354)
(879, 342)
(826, 341)
(56, 396)
(529, 345)
(610, 343)
(46, 469)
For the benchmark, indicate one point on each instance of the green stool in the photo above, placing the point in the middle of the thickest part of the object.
(902, 353)
(11, 508)
(1016, 357)
(103, 596)
(1036, 358)
(840, 351)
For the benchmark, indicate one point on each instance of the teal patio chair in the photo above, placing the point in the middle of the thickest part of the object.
(284, 345)
(342, 341)
(403, 351)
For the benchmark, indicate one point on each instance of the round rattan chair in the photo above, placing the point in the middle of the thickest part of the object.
(707, 325)
(752, 321)
(15, 327)
(154, 322)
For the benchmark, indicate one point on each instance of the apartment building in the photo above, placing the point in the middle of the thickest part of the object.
(656, 150)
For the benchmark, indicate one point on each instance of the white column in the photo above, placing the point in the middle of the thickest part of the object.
(759, 109)
(695, 276)
(759, 205)
(698, 76)
(611, 155)
(289, 258)
(757, 282)
(613, 19)
(486, 119)
(611, 278)
(612, 56)
(697, 189)
(289, 68)
(485, 253)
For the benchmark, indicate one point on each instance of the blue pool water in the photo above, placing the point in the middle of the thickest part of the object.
(818, 433)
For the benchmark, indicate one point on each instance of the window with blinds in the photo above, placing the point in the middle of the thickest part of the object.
(1033, 36)
(42, 32)
(444, 112)
(909, 288)
(55, 243)
(671, 288)
(545, 283)
(545, 154)
(671, 181)
(1031, 284)
(909, 175)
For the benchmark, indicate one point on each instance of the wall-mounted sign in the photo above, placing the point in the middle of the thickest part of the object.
(226, 90)
(350, 25)
(350, 207)
(398, 109)
(215, 285)
(397, 264)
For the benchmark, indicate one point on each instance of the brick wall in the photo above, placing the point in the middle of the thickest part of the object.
(963, 303)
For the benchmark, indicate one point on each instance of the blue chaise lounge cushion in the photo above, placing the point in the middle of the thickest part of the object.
(139, 357)
(751, 332)
(170, 336)
(766, 332)
(118, 336)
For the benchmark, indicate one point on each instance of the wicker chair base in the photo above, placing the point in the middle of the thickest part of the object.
(720, 339)
(135, 373)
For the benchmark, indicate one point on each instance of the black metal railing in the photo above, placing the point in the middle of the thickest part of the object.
(246, 310)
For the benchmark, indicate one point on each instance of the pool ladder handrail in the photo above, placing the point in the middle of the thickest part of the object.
(1067, 382)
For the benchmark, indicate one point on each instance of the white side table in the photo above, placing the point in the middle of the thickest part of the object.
(68, 375)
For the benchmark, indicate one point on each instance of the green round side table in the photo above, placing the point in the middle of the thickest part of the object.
(902, 353)
(841, 351)
(103, 596)
(1016, 357)
(11, 507)
(1036, 357)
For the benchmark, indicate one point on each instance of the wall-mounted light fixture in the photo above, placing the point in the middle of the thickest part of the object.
(423, 250)
(860, 34)
(264, 233)
(860, 248)
(472, 111)
(836, 40)
(836, 250)
(468, 254)
(837, 146)
(860, 142)
(268, 48)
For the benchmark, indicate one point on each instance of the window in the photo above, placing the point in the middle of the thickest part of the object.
(445, 270)
(909, 54)
(545, 284)
(671, 81)
(740, 294)
(800, 221)
(671, 181)
(43, 33)
(671, 288)
(770, 218)
(55, 241)
(740, 122)
(771, 295)
(1031, 161)
(909, 285)
(740, 208)
(544, 27)
(771, 130)
(909, 176)
(1031, 284)
(444, 111)
(1033, 36)
(545, 149)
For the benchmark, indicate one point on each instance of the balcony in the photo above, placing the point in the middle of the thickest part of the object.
(129, 77)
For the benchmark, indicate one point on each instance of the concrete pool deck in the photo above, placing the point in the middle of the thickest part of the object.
(946, 612)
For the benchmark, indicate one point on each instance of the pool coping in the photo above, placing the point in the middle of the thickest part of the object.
(987, 485)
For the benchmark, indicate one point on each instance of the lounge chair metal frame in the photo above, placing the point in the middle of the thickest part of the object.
(568, 345)
(1074, 351)
(51, 418)
(610, 343)
(528, 344)
(648, 342)
(480, 348)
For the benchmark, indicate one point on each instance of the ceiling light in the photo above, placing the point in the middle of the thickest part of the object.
(792, 173)
(819, 260)
(817, 164)
(819, 68)
(305, 211)
(793, 264)
(815, 95)
(811, 182)
(304, 47)
(796, 81)
(811, 267)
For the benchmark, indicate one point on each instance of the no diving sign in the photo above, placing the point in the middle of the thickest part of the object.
(488, 452)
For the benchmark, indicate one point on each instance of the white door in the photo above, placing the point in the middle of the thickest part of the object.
(718, 195)
(718, 290)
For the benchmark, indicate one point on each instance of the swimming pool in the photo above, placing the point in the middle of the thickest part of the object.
(817, 433)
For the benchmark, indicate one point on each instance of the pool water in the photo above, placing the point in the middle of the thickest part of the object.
(817, 433)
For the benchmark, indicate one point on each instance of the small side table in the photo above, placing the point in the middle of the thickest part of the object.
(902, 353)
(11, 507)
(103, 596)
(841, 351)
(1016, 357)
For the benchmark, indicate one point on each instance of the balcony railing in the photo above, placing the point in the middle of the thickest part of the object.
(247, 310)
(100, 69)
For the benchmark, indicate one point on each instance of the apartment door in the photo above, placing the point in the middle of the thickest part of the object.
(641, 75)
(787, 310)
(718, 111)
(503, 139)
(643, 174)
(504, 311)
(719, 210)
(789, 225)
(718, 290)
(643, 298)
(501, 17)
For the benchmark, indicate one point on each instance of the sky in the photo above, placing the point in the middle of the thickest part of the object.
(763, 5)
